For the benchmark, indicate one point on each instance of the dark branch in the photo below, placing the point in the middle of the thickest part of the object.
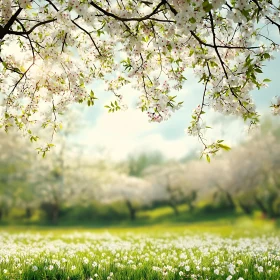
(31, 29)
(149, 16)
(221, 61)
(30, 43)
(89, 36)
(5, 29)
(221, 46)
(53, 5)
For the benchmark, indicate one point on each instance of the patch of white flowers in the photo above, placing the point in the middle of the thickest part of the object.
(106, 256)
(52, 52)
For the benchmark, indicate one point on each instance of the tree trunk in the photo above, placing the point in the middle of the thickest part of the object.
(261, 205)
(6, 211)
(28, 212)
(190, 199)
(190, 205)
(55, 213)
(246, 209)
(271, 200)
(52, 211)
(131, 209)
(174, 208)
(230, 200)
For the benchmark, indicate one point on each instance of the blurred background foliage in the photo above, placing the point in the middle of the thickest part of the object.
(69, 187)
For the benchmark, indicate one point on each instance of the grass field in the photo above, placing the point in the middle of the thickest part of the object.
(247, 249)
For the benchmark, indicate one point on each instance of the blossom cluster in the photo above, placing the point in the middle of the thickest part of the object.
(52, 51)
(276, 106)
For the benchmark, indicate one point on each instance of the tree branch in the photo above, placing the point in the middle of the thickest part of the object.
(109, 14)
(222, 62)
(31, 29)
(5, 29)
(80, 27)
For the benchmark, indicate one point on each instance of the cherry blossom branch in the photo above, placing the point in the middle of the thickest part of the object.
(63, 43)
(5, 30)
(52, 4)
(147, 17)
(221, 46)
(268, 18)
(80, 27)
(30, 43)
(222, 62)
(12, 32)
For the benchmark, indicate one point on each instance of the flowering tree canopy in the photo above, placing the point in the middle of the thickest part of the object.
(53, 50)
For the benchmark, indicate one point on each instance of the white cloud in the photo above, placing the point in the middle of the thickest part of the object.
(123, 133)
(117, 132)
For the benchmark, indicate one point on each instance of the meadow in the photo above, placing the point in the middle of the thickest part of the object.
(246, 250)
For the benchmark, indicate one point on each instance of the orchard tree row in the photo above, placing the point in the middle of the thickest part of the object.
(246, 179)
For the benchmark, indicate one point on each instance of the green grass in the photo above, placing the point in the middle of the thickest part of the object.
(158, 245)
(247, 248)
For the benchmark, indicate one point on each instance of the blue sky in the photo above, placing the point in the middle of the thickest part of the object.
(122, 133)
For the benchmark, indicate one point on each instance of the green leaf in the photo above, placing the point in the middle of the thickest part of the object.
(208, 158)
(192, 20)
(224, 147)
(99, 32)
(5, 64)
(213, 63)
(266, 80)
(207, 6)
(169, 47)
(16, 70)
(245, 13)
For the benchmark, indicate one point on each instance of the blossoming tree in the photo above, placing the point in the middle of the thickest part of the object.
(133, 191)
(52, 51)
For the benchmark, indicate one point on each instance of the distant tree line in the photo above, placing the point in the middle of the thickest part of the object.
(69, 186)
